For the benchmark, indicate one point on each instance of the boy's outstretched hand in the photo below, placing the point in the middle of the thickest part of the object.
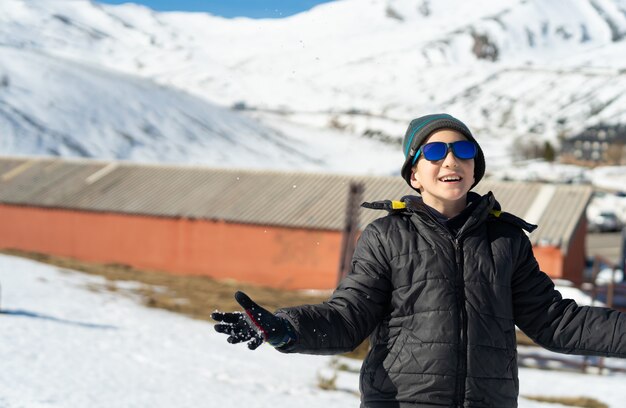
(255, 325)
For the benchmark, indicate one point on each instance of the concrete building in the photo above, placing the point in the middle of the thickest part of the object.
(598, 145)
(270, 228)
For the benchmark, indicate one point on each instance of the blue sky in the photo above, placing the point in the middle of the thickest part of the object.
(230, 8)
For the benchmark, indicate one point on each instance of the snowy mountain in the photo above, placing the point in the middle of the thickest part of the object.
(88, 112)
(351, 68)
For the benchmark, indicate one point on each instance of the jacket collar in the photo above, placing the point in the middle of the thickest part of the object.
(487, 208)
(480, 208)
(485, 203)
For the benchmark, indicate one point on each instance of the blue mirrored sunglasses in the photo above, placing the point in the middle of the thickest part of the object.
(434, 151)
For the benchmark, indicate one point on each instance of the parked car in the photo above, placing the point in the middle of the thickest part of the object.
(604, 221)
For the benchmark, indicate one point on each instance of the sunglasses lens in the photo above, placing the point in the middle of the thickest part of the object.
(435, 151)
(464, 149)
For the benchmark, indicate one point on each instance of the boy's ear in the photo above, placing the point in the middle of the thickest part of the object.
(415, 182)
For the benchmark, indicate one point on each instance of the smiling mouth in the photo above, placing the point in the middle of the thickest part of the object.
(451, 179)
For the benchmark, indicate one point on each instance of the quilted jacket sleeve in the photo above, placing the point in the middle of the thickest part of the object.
(354, 309)
(560, 324)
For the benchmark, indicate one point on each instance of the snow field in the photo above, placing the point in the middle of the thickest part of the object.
(66, 342)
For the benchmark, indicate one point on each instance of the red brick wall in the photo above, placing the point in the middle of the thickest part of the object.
(550, 260)
(270, 256)
(574, 262)
(570, 267)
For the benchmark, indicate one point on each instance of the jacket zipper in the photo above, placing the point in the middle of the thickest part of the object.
(460, 298)
(462, 328)
(462, 364)
(462, 354)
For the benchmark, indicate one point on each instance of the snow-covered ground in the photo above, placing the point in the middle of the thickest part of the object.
(63, 344)
(611, 178)
(67, 342)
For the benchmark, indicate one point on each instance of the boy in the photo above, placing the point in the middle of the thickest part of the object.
(439, 285)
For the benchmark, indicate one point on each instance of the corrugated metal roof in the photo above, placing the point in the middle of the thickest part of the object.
(561, 217)
(310, 200)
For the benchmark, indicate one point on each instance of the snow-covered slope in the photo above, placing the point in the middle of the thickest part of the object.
(513, 68)
(55, 107)
(67, 342)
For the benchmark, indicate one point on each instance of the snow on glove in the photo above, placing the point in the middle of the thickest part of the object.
(255, 325)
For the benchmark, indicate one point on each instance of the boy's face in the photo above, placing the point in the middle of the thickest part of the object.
(428, 176)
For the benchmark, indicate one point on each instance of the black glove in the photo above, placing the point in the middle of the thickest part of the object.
(256, 324)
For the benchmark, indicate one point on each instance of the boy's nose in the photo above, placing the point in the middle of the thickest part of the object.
(450, 160)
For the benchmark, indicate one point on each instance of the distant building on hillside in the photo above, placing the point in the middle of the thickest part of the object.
(596, 146)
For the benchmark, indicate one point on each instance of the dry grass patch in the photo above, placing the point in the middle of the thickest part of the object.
(582, 402)
(194, 296)
(524, 340)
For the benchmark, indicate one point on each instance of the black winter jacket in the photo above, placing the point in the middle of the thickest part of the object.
(441, 310)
